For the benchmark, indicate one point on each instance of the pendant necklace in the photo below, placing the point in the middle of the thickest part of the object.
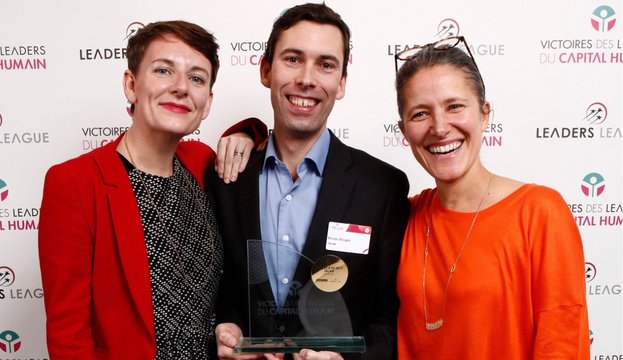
(431, 326)
(196, 288)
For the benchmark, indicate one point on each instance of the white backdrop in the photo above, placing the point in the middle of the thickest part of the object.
(553, 71)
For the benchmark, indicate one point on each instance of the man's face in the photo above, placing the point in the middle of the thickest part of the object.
(305, 78)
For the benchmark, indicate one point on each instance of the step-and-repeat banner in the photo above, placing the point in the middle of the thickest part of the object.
(553, 71)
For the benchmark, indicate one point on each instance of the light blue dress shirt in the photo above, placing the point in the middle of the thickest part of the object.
(286, 210)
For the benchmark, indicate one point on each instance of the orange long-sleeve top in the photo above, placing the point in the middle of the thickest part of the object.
(518, 291)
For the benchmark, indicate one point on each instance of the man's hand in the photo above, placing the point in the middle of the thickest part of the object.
(227, 335)
(307, 354)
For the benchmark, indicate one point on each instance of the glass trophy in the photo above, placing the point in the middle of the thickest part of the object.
(313, 315)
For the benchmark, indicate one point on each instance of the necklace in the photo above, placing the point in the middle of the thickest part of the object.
(431, 326)
(187, 280)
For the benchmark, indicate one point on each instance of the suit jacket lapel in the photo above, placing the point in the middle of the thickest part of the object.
(249, 197)
(128, 230)
(335, 191)
(249, 206)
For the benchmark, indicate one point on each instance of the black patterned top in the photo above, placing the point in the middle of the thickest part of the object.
(185, 255)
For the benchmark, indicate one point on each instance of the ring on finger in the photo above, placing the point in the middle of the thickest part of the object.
(238, 153)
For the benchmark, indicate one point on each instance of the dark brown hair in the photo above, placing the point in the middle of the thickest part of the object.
(429, 57)
(318, 13)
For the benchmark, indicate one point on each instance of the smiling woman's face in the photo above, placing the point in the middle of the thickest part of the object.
(171, 91)
(443, 121)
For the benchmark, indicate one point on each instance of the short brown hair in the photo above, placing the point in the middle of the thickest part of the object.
(191, 34)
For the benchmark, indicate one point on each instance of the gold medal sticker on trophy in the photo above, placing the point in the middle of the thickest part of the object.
(329, 273)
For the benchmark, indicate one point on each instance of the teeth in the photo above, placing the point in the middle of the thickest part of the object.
(445, 148)
(302, 102)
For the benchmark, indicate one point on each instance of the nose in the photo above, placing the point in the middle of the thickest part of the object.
(307, 76)
(439, 125)
(180, 85)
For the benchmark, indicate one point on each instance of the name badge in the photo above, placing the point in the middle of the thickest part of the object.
(350, 238)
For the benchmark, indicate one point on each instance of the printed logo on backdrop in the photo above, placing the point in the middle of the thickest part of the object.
(132, 29)
(246, 52)
(598, 286)
(595, 209)
(591, 124)
(340, 133)
(603, 18)
(612, 355)
(102, 52)
(10, 342)
(17, 57)
(447, 28)
(492, 137)
(98, 136)
(16, 218)
(24, 137)
(599, 46)
(593, 185)
(4, 190)
(590, 272)
(10, 289)
(592, 337)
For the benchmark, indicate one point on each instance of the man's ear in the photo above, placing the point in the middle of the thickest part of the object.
(342, 89)
(265, 73)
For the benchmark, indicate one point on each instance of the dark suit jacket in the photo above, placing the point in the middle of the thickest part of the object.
(357, 189)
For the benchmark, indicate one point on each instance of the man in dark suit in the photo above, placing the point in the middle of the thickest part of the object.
(306, 190)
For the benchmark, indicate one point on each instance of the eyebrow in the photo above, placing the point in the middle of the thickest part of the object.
(172, 63)
(301, 52)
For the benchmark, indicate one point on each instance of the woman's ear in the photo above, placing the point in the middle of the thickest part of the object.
(129, 86)
(486, 113)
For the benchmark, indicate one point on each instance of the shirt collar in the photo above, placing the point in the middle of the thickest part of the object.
(317, 154)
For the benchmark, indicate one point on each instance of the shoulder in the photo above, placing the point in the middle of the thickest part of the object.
(365, 162)
(193, 151)
(419, 201)
(539, 194)
(85, 164)
(534, 201)
(193, 147)
(196, 157)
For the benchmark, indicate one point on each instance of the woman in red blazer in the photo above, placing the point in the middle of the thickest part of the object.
(129, 251)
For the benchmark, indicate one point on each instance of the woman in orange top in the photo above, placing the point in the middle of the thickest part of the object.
(491, 268)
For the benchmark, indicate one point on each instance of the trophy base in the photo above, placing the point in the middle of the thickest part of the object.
(338, 344)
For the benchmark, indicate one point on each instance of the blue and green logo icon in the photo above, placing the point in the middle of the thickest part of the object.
(593, 185)
(603, 18)
(9, 341)
(4, 190)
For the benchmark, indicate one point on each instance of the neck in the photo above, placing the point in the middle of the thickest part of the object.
(465, 194)
(292, 150)
(148, 154)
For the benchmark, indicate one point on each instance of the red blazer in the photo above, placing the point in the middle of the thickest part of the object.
(93, 257)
